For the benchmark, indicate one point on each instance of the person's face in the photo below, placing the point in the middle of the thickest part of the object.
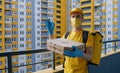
(76, 20)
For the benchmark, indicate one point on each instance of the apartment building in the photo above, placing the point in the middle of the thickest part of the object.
(110, 21)
(22, 27)
(2, 31)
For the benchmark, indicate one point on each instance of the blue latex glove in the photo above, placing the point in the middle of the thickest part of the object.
(75, 53)
(49, 26)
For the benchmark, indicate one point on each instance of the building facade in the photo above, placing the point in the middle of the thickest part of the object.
(22, 27)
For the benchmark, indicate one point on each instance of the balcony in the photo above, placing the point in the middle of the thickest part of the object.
(7, 7)
(97, 3)
(108, 59)
(85, 4)
(44, 11)
(7, 20)
(44, 29)
(44, 5)
(44, 34)
(44, 0)
(44, 17)
(8, 1)
(97, 22)
(8, 35)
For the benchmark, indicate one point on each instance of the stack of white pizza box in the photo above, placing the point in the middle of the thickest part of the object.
(59, 45)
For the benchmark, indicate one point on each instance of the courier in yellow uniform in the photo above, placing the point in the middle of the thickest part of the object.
(76, 61)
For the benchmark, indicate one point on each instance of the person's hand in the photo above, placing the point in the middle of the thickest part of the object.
(75, 53)
(50, 26)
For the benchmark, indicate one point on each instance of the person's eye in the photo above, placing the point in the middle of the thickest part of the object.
(73, 16)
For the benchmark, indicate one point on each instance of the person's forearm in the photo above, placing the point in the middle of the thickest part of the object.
(87, 56)
(51, 37)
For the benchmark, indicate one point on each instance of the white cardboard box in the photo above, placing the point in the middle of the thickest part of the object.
(59, 45)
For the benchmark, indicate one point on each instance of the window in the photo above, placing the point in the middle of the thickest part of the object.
(38, 8)
(21, 26)
(22, 6)
(0, 2)
(58, 6)
(115, 6)
(21, 58)
(38, 14)
(58, 16)
(103, 8)
(21, 13)
(28, 32)
(38, 3)
(58, 32)
(8, 47)
(38, 32)
(28, 13)
(0, 10)
(14, 39)
(21, 45)
(109, 26)
(28, 39)
(14, 6)
(28, 0)
(28, 45)
(14, 32)
(0, 17)
(21, 0)
(22, 71)
(22, 39)
(38, 38)
(14, 19)
(14, 59)
(0, 47)
(38, 20)
(38, 44)
(14, 12)
(28, 20)
(28, 57)
(58, 1)
(21, 63)
(38, 56)
(0, 32)
(14, 26)
(0, 62)
(58, 22)
(58, 11)
(14, 46)
(28, 26)
(109, 32)
(15, 72)
(115, 19)
(21, 19)
(0, 25)
(28, 7)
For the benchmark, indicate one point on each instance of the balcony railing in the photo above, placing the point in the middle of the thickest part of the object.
(9, 55)
(8, 0)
